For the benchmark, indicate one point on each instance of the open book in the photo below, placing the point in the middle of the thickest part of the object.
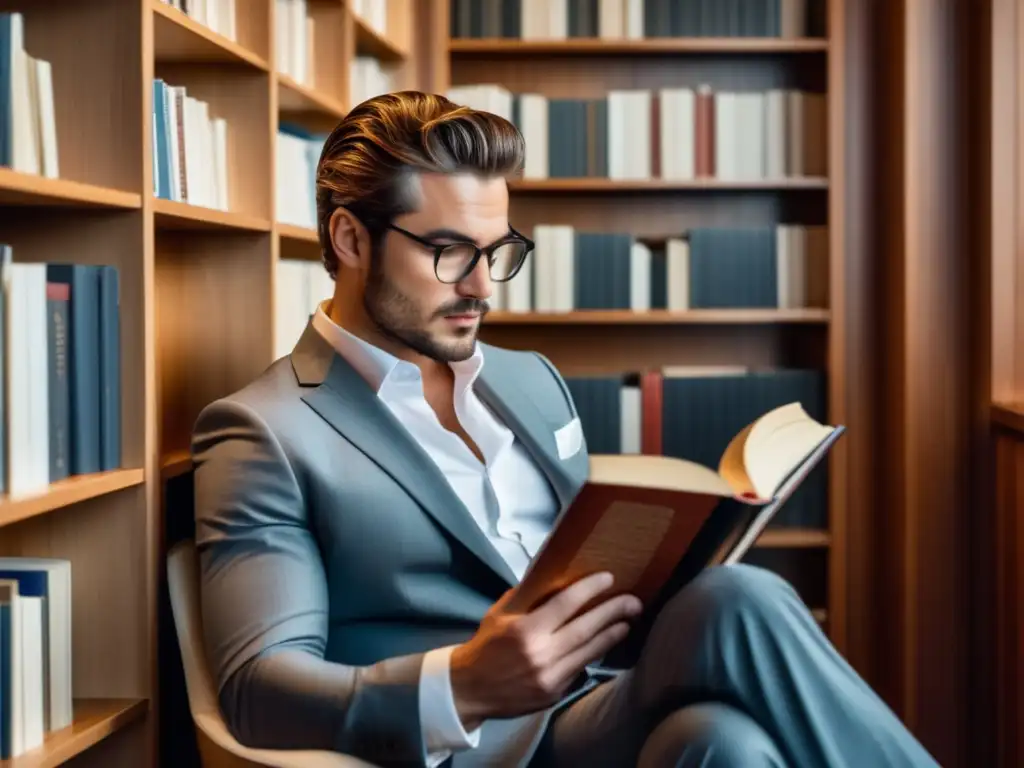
(655, 522)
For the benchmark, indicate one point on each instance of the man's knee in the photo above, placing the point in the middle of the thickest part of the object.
(735, 590)
(710, 736)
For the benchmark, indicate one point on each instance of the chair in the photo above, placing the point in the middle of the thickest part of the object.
(217, 747)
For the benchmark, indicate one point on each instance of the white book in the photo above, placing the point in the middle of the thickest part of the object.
(775, 134)
(563, 244)
(677, 132)
(32, 683)
(220, 136)
(611, 22)
(519, 290)
(634, 19)
(290, 316)
(640, 277)
(630, 418)
(544, 277)
(26, 156)
(27, 407)
(726, 165)
(677, 274)
(533, 113)
(557, 21)
(47, 120)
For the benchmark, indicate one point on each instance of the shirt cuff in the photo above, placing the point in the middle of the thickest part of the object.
(443, 731)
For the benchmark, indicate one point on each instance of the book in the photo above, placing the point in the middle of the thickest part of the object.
(655, 522)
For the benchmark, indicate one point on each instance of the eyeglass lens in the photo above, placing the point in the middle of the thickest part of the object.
(454, 261)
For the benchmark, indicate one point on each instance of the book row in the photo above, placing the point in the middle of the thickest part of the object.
(298, 152)
(368, 78)
(778, 267)
(35, 652)
(294, 36)
(634, 19)
(28, 127)
(373, 13)
(60, 378)
(190, 149)
(693, 412)
(669, 133)
(219, 16)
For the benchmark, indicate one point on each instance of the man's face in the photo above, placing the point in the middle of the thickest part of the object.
(403, 296)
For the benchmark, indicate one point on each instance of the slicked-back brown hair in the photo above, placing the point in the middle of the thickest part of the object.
(369, 156)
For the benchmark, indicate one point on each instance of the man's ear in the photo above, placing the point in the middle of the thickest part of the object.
(350, 239)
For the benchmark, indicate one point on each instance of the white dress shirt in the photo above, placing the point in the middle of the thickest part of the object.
(508, 496)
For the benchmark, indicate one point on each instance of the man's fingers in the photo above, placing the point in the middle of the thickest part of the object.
(580, 630)
(569, 665)
(565, 604)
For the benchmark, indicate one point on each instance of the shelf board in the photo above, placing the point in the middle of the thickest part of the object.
(1009, 415)
(665, 185)
(293, 96)
(298, 234)
(66, 492)
(372, 43)
(660, 317)
(18, 188)
(630, 47)
(175, 464)
(171, 214)
(179, 38)
(95, 720)
(793, 538)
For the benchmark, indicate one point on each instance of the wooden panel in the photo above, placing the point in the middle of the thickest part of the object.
(923, 448)
(94, 48)
(331, 50)
(1009, 561)
(593, 76)
(632, 348)
(214, 328)
(660, 214)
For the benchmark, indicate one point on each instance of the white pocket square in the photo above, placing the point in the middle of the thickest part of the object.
(569, 439)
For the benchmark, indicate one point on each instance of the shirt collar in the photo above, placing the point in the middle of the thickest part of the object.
(380, 368)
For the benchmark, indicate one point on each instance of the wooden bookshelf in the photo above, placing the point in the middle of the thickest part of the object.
(95, 720)
(197, 287)
(198, 283)
(465, 47)
(606, 342)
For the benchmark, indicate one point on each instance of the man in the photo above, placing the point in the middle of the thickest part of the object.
(365, 508)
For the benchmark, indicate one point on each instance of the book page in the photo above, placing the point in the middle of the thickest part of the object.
(778, 442)
(661, 472)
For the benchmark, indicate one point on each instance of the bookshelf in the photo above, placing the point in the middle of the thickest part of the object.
(196, 302)
(585, 62)
(199, 285)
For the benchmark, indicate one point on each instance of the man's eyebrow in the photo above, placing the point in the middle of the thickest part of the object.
(447, 234)
(444, 233)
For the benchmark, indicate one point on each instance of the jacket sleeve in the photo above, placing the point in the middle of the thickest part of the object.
(265, 609)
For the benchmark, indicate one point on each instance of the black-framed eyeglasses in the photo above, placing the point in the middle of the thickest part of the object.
(453, 262)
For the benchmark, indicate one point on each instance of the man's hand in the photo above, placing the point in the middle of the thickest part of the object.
(518, 663)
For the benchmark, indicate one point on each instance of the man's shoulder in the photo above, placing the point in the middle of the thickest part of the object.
(517, 362)
(268, 397)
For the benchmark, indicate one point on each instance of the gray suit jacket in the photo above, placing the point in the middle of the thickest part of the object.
(334, 554)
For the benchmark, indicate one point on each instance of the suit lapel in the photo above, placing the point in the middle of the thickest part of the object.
(343, 398)
(520, 413)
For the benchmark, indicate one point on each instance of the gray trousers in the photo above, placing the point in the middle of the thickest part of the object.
(735, 672)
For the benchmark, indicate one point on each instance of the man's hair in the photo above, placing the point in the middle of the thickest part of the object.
(367, 160)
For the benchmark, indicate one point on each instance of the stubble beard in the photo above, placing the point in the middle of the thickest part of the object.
(398, 317)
